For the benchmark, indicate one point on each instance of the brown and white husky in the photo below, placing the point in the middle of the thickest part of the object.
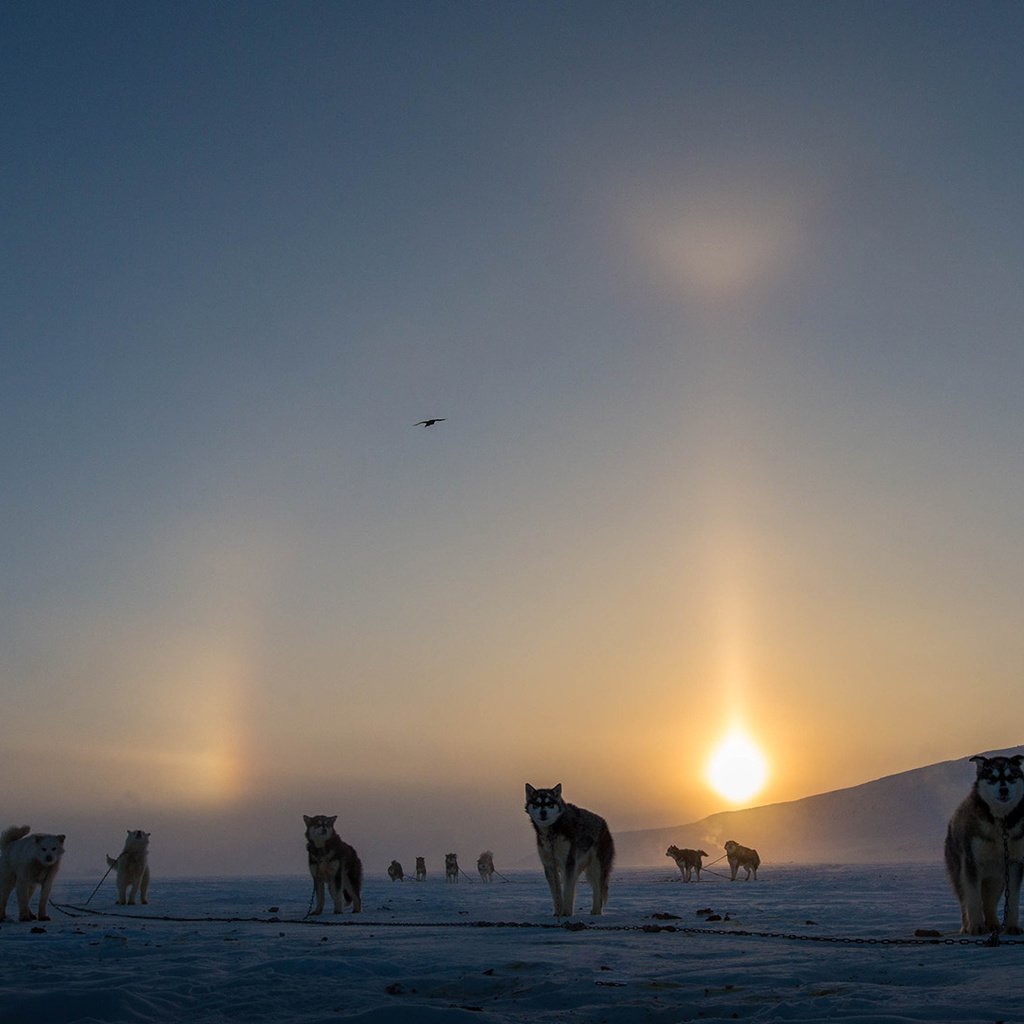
(332, 862)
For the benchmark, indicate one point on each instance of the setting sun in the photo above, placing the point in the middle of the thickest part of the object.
(737, 769)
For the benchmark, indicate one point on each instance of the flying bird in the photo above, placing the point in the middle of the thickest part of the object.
(430, 423)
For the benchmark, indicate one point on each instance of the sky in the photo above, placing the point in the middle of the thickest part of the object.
(720, 303)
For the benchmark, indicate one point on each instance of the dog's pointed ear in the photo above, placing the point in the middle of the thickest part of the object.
(1017, 759)
(60, 839)
(529, 791)
(307, 819)
(557, 790)
(332, 819)
(981, 761)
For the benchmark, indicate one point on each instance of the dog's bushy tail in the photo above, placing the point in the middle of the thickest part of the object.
(111, 861)
(13, 834)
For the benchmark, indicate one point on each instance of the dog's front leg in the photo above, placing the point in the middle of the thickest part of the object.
(24, 892)
(318, 889)
(973, 910)
(991, 890)
(337, 895)
(44, 895)
(551, 874)
(572, 872)
(1012, 923)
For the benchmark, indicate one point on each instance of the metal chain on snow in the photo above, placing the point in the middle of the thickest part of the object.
(566, 926)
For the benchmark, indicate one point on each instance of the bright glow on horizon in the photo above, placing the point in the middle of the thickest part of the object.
(737, 769)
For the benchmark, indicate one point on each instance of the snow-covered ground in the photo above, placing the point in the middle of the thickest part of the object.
(822, 943)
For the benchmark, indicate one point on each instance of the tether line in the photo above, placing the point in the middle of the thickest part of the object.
(72, 910)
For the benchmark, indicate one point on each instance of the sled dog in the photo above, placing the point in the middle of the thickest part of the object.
(25, 862)
(451, 867)
(421, 869)
(570, 841)
(741, 857)
(132, 865)
(334, 863)
(688, 861)
(395, 872)
(985, 846)
(485, 865)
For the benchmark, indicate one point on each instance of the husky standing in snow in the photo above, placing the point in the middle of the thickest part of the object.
(985, 846)
(451, 867)
(25, 862)
(421, 869)
(485, 865)
(334, 862)
(688, 861)
(132, 865)
(570, 841)
(741, 857)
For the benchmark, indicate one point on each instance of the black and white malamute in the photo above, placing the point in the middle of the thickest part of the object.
(334, 863)
(570, 841)
(985, 846)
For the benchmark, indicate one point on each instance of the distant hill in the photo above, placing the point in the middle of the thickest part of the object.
(897, 818)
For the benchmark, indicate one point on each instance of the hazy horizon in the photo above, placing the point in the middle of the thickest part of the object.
(720, 304)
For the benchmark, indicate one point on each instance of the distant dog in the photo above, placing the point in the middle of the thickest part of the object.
(688, 861)
(570, 841)
(25, 862)
(421, 869)
(132, 865)
(451, 867)
(395, 872)
(334, 863)
(741, 857)
(985, 846)
(485, 865)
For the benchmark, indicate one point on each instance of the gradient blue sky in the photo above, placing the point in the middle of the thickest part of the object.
(722, 303)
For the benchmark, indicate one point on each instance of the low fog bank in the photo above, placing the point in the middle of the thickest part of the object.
(898, 818)
(894, 819)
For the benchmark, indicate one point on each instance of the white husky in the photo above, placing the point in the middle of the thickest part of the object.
(25, 862)
(132, 865)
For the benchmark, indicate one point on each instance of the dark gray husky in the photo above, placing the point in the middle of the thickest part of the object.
(570, 841)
